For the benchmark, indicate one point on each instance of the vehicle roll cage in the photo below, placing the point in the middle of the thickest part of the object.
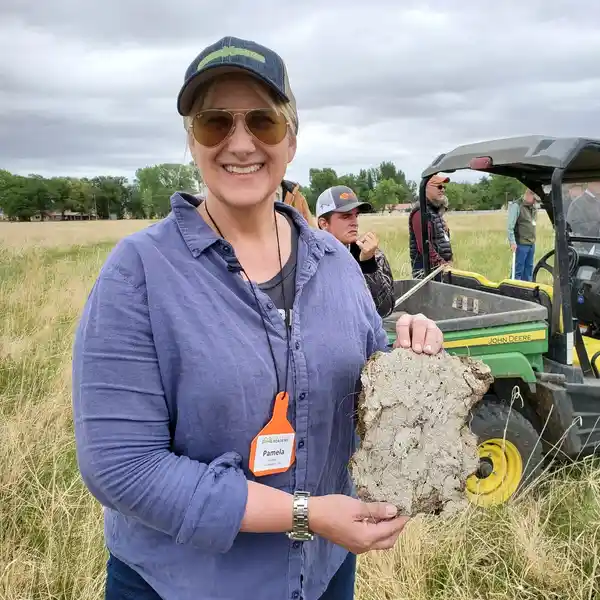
(535, 161)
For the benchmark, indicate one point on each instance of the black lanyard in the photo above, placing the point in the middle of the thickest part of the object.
(287, 323)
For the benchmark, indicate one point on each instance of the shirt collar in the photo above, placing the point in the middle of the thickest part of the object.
(198, 236)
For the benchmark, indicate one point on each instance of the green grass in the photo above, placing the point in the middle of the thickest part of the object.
(544, 545)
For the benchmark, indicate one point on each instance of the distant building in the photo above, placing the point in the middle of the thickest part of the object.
(67, 215)
(391, 208)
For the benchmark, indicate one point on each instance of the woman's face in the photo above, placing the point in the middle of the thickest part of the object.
(241, 171)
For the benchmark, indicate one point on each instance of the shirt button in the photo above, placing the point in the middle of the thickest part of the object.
(270, 305)
(227, 249)
(295, 594)
(297, 345)
(296, 544)
(301, 444)
(302, 395)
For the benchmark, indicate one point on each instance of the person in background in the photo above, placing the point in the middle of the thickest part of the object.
(571, 192)
(227, 329)
(521, 229)
(337, 211)
(583, 217)
(440, 248)
(291, 195)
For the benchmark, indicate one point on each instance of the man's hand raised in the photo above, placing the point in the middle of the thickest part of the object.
(368, 244)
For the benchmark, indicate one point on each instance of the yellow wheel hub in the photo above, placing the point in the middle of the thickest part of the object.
(499, 474)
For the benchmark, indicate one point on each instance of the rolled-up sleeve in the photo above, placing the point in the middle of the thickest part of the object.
(122, 428)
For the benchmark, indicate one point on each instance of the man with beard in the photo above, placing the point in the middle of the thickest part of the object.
(440, 249)
(337, 212)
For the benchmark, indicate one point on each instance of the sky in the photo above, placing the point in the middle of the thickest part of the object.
(90, 87)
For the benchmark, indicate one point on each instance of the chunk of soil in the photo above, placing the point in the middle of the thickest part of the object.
(417, 449)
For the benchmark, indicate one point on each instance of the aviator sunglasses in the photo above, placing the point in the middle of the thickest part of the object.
(211, 127)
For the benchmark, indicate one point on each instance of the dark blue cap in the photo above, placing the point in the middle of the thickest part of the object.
(232, 54)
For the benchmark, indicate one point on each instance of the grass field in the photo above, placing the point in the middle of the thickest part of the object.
(545, 545)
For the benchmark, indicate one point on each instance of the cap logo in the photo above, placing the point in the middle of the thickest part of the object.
(346, 196)
(227, 51)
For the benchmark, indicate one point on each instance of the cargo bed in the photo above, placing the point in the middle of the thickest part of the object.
(508, 334)
(455, 308)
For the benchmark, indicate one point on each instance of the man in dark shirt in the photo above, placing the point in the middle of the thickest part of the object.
(440, 249)
(337, 212)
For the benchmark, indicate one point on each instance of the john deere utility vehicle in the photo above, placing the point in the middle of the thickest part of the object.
(541, 341)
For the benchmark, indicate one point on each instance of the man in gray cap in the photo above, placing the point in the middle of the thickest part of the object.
(337, 212)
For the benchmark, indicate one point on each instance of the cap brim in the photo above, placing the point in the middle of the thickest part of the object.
(362, 206)
(187, 94)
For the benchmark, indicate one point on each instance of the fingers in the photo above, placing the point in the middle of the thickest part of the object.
(369, 240)
(370, 236)
(374, 512)
(384, 534)
(403, 331)
(372, 240)
(434, 339)
(388, 542)
(419, 332)
(411, 330)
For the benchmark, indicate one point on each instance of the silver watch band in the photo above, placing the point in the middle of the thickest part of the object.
(300, 530)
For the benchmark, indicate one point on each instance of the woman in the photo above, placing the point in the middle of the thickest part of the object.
(214, 415)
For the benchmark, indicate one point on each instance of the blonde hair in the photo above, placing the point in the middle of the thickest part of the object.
(205, 96)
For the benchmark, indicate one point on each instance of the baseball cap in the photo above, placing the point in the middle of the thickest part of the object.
(231, 54)
(339, 198)
(437, 179)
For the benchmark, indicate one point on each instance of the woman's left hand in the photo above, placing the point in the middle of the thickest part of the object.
(418, 332)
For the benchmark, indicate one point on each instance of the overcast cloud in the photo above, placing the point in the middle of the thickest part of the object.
(89, 87)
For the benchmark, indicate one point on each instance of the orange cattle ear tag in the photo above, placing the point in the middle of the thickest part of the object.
(273, 450)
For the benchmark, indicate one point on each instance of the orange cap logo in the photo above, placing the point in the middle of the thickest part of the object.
(346, 196)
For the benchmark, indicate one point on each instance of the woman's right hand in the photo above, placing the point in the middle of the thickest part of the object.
(355, 525)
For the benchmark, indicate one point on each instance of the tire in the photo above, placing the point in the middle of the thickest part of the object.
(505, 467)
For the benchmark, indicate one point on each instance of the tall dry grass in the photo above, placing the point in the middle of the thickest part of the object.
(545, 545)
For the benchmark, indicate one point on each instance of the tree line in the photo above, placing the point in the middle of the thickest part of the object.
(386, 185)
(25, 198)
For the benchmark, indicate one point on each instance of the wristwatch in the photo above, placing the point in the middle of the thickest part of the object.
(300, 530)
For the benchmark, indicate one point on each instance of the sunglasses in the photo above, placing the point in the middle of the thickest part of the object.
(212, 127)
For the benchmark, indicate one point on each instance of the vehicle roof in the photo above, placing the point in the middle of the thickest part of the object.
(534, 157)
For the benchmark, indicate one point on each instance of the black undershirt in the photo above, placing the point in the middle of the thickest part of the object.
(273, 287)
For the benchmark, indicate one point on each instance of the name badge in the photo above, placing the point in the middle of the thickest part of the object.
(273, 450)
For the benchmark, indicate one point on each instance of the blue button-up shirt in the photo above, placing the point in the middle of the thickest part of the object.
(173, 378)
